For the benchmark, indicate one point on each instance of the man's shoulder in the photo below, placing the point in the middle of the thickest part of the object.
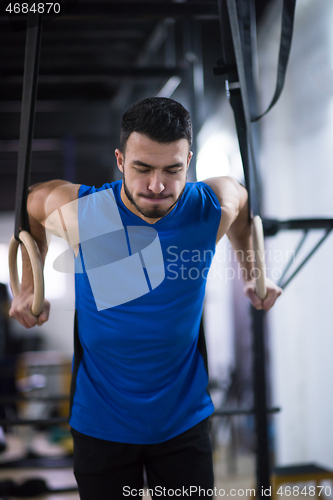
(202, 191)
(86, 190)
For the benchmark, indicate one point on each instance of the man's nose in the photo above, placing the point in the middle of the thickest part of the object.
(156, 183)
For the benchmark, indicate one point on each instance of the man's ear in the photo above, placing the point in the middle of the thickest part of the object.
(120, 159)
(189, 157)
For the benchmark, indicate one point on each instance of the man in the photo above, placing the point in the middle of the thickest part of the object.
(139, 390)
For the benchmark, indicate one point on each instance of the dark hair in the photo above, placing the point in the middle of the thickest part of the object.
(159, 118)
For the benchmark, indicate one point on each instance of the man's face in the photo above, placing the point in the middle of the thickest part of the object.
(154, 175)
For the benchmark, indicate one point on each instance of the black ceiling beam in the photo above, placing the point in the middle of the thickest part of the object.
(89, 74)
(120, 71)
(142, 10)
(96, 47)
(149, 10)
(94, 91)
(84, 36)
(93, 35)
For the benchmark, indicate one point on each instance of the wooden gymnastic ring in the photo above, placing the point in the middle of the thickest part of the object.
(37, 269)
(259, 257)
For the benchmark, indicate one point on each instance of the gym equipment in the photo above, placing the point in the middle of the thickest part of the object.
(30, 488)
(37, 269)
(301, 473)
(42, 382)
(236, 66)
(259, 256)
(21, 233)
(237, 34)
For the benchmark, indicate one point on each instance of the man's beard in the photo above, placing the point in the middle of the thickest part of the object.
(154, 212)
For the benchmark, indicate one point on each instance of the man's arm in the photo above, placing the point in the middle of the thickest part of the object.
(44, 199)
(235, 224)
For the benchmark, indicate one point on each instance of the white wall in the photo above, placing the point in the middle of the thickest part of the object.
(297, 151)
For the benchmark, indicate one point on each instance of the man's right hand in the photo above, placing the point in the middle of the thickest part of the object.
(21, 310)
(44, 200)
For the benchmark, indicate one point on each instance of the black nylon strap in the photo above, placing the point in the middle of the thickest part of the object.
(241, 87)
(288, 14)
(31, 65)
(239, 99)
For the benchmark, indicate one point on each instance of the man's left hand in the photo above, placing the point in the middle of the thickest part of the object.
(273, 292)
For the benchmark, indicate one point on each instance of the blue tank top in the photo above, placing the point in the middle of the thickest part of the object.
(139, 374)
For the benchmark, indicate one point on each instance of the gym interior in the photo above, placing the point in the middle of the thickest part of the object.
(97, 58)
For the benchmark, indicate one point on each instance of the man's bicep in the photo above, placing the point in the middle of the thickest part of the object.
(46, 197)
(60, 197)
(54, 205)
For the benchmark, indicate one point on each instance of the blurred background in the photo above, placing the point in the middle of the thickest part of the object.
(98, 59)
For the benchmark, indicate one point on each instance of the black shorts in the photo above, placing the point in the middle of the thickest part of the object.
(181, 467)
